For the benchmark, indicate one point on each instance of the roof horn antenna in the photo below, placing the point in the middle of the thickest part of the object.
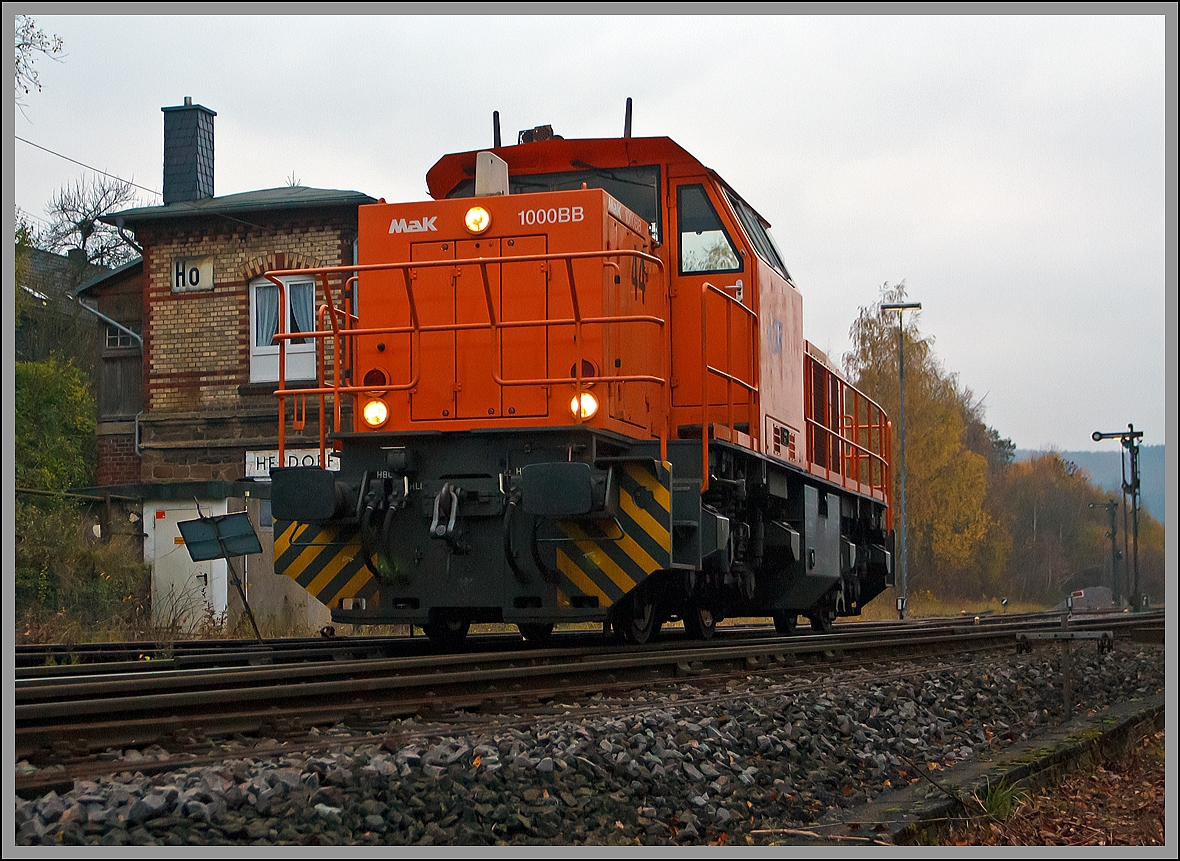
(627, 120)
(495, 129)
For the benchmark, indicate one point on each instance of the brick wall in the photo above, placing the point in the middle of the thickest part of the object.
(117, 461)
(198, 421)
(198, 347)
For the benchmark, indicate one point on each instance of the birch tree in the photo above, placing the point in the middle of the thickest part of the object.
(954, 544)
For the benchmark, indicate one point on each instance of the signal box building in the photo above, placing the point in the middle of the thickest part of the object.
(187, 412)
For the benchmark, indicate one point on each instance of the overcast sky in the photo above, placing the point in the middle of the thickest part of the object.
(1010, 169)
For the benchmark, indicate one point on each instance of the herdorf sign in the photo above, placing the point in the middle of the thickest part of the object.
(192, 273)
(260, 463)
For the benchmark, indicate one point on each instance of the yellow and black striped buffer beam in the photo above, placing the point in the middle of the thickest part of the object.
(608, 558)
(327, 561)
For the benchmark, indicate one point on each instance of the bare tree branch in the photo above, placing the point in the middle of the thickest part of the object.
(73, 216)
(30, 42)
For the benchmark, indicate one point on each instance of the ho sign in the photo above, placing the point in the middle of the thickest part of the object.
(192, 273)
(260, 463)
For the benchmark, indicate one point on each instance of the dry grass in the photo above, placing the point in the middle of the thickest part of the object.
(70, 586)
(925, 605)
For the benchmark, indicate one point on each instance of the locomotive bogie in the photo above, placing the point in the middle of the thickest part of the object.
(494, 527)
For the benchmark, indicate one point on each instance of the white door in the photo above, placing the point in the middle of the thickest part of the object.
(185, 594)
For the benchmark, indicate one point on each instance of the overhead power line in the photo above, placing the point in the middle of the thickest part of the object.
(87, 166)
(129, 182)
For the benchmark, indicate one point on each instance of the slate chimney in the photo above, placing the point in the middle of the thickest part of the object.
(188, 152)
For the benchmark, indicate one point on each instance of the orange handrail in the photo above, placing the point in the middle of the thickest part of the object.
(351, 332)
(730, 379)
(843, 453)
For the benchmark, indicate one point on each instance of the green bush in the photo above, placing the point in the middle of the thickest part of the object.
(69, 586)
(56, 447)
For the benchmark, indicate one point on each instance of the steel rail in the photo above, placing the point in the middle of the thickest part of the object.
(171, 681)
(163, 674)
(153, 657)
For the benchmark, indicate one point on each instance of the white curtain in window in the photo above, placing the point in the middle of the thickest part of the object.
(266, 314)
(302, 306)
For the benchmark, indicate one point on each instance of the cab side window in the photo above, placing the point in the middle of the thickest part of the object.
(704, 244)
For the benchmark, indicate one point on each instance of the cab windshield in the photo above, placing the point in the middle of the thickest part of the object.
(759, 233)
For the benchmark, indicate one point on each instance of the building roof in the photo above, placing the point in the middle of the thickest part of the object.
(129, 268)
(46, 272)
(288, 197)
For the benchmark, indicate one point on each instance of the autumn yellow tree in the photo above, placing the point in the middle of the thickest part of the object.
(979, 525)
(954, 545)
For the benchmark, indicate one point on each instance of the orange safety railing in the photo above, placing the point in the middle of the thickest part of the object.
(344, 336)
(849, 442)
(863, 422)
(731, 304)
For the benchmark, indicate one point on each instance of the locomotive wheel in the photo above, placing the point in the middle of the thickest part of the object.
(448, 634)
(699, 622)
(639, 625)
(823, 622)
(535, 632)
(784, 623)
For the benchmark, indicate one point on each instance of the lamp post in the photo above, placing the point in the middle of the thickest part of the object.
(901, 308)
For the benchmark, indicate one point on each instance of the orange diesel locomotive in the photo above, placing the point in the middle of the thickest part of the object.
(574, 387)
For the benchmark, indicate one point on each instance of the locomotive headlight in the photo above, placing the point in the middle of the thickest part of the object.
(585, 403)
(375, 413)
(477, 220)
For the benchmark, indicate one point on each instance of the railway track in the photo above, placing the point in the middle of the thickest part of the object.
(67, 660)
(76, 715)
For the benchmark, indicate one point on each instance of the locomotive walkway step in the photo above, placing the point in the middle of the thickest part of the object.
(910, 814)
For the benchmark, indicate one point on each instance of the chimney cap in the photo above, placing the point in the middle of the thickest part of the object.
(189, 106)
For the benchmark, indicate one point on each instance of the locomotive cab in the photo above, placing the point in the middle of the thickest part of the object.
(573, 387)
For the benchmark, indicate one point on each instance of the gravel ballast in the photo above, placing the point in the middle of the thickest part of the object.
(693, 763)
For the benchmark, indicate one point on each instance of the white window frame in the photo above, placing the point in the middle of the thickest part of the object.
(264, 360)
(118, 338)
